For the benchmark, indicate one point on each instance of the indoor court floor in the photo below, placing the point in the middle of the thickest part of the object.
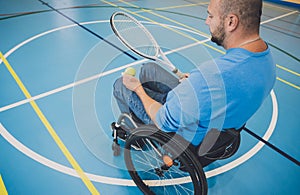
(59, 62)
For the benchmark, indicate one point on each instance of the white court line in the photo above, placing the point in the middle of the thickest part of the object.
(54, 165)
(19, 103)
(115, 181)
(68, 86)
(278, 17)
(128, 182)
(257, 147)
(277, 6)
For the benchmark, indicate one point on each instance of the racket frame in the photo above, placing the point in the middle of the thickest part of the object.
(158, 52)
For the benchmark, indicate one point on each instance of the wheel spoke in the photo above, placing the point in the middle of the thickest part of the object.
(152, 175)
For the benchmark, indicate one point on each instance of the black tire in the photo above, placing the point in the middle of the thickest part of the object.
(152, 175)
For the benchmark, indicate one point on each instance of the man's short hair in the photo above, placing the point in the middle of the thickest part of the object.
(248, 11)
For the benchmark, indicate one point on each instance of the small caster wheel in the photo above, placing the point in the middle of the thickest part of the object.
(116, 148)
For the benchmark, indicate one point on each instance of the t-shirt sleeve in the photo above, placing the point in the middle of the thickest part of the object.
(167, 117)
(181, 108)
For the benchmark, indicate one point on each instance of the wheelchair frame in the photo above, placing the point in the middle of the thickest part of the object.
(163, 163)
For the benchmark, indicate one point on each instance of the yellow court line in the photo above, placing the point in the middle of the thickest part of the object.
(166, 18)
(288, 70)
(288, 83)
(211, 47)
(175, 22)
(181, 24)
(182, 6)
(3, 190)
(50, 129)
(185, 35)
(154, 22)
(191, 28)
(169, 28)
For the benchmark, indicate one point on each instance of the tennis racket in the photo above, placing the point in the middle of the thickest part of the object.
(137, 38)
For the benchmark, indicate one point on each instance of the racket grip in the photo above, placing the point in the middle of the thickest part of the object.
(179, 74)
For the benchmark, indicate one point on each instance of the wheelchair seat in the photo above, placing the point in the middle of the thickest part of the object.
(218, 145)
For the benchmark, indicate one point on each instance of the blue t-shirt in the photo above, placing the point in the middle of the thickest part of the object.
(222, 93)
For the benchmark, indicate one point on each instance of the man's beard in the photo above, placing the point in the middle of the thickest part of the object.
(219, 36)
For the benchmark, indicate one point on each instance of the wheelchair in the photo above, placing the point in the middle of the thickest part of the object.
(165, 163)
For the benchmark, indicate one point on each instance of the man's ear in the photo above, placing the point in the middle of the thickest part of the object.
(232, 22)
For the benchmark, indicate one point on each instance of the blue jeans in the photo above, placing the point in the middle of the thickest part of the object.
(156, 81)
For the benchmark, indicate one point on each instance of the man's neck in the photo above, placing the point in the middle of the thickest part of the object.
(251, 43)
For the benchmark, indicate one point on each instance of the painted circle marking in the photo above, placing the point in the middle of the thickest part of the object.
(117, 181)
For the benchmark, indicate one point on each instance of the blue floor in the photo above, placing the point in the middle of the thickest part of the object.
(56, 101)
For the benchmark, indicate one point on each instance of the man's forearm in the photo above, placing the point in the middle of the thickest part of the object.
(151, 106)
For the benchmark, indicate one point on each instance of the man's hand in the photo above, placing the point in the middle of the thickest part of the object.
(184, 76)
(151, 106)
(131, 82)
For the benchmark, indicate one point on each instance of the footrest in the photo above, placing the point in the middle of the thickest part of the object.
(121, 133)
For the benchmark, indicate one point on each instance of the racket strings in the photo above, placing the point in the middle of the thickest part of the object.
(134, 36)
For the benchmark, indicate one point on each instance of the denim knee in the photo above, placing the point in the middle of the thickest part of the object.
(150, 66)
(120, 91)
(147, 68)
(117, 86)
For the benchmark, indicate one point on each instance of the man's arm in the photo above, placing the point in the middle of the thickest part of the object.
(151, 106)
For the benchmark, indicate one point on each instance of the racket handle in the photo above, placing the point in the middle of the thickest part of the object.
(179, 74)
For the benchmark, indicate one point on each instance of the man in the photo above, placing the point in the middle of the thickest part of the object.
(222, 93)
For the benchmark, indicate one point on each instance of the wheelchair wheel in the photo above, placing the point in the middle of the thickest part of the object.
(163, 165)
